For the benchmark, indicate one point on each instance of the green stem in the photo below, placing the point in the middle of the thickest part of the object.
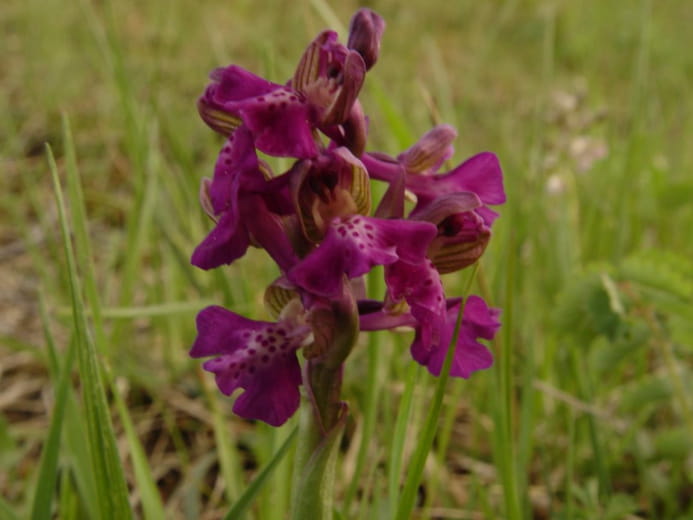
(323, 414)
(321, 424)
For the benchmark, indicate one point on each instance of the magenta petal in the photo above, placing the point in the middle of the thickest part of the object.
(353, 246)
(227, 242)
(258, 357)
(481, 319)
(470, 356)
(220, 331)
(234, 83)
(276, 397)
(236, 168)
(420, 285)
(281, 123)
(480, 174)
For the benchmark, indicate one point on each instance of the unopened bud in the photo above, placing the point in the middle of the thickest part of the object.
(365, 31)
(434, 147)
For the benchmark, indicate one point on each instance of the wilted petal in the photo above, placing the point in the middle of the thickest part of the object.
(259, 357)
(478, 321)
(354, 245)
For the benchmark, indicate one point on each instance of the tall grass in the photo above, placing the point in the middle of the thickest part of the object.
(587, 411)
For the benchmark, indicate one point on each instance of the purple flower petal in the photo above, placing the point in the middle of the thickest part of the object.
(227, 242)
(420, 285)
(354, 245)
(236, 168)
(259, 357)
(480, 174)
(234, 83)
(281, 122)
(229, 84)
(478, 321)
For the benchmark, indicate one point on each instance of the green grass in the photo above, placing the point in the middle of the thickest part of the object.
(587, 412)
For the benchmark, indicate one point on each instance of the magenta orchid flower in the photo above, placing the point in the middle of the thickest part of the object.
(314, 220)
(284, 118)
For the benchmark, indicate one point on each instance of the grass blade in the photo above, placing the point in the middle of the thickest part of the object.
(151, 501)
(107, 470)
(48, 467)
(239, 508)
(423, 448)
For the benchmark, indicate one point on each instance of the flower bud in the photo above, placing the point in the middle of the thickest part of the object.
(434, 147)
(365, 31)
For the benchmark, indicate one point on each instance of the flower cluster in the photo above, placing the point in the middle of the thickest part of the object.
(316, 222)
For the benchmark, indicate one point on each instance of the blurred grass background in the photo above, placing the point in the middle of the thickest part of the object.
(588, 412)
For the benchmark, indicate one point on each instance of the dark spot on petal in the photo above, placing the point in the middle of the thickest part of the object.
(261, 99)
(265, 358)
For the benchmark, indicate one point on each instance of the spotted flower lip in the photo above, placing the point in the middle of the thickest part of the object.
(258, 357)
(352, 246)
(278, 116)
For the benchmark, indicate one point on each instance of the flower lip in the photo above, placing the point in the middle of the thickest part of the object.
(258, 357)
(352, 246)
